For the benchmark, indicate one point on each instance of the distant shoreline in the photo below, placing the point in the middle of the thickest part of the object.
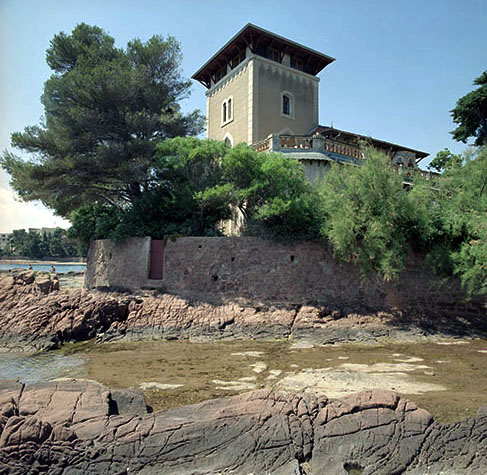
(38, 262)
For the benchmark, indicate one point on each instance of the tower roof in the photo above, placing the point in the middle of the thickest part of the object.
(258, 39)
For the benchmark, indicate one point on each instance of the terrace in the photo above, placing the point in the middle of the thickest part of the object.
(318, 147)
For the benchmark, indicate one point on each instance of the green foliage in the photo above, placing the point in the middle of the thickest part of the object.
(445, 159)
(106, 108)
(195, 184)
(471, 114)
(93, 222)
(37, 246)
(184, 169)
(271, 192)
(471, 260)
(460, 214)
(369, 216)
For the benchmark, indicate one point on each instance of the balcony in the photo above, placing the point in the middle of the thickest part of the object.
(300, 145)
(316, 143)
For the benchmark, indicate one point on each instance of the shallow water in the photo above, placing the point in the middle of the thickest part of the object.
(446, 378)
(60, 268)
(40, 367)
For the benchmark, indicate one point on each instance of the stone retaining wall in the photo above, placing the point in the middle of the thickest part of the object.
(257, 269)
(125, 264)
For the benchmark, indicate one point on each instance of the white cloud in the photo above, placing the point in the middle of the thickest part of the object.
(16, 214)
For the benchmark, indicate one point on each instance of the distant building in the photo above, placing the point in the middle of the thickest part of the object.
(262, 89)
(43, 231)
(4, 239)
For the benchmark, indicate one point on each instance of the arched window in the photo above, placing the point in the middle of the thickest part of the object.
(286, 104)
(228, 139)
(229, 108)
(224, 112)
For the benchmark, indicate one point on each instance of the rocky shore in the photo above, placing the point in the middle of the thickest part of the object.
(69, 426)
(36, 315)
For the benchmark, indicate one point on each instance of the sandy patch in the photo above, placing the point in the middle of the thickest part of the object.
(274, 373)
(383, 367)
(302, 344)
(409, 359)
(162, 386)
(340, 383)
(258, 367)
(252, 354)
(234, 385)
(451, 342)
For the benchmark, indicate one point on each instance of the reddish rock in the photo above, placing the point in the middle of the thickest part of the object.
(38, 316)
(82, 427)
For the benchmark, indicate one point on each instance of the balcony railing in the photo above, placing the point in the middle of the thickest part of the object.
(263, 145)
(318, 143)
(295, 141)
(343, 149)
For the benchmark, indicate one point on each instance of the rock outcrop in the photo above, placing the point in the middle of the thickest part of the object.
(35, 315)
(73, 427)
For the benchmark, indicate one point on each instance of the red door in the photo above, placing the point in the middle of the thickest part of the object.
(156, 259)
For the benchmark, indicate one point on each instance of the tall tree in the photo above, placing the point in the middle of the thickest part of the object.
(105, 108)
(445, 159)
(370, 218)
(460, 206)
(271, 192)
(470, 114)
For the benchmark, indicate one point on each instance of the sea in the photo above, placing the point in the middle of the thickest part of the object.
(60, 268)
(39, 367)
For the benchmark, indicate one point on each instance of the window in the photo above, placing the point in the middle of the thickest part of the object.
(297, 63)
(286, 105)
(228, 139)
(237, 60)
(220, 73)
(274, 54)
(227, 111)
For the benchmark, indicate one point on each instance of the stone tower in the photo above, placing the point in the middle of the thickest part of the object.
(259, 84)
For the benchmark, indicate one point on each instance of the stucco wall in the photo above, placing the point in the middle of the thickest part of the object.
(270, 81)
(236, 85)
(315, 170)
(254, 268)
(125, 264)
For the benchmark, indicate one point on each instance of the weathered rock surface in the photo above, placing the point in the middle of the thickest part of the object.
(34, 314)
(73, 427)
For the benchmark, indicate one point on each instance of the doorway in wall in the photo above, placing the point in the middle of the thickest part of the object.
(156, 259)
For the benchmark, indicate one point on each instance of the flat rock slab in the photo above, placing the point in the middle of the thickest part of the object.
(76, 427)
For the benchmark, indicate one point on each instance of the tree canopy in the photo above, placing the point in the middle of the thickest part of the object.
(443, 160)
(271, 192)
(105, 110)
(196, 182)
(470, 113)
(369, 217)
(460, 214)
(35, 245)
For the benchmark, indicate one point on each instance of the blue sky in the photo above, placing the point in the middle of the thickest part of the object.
(400, 65)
